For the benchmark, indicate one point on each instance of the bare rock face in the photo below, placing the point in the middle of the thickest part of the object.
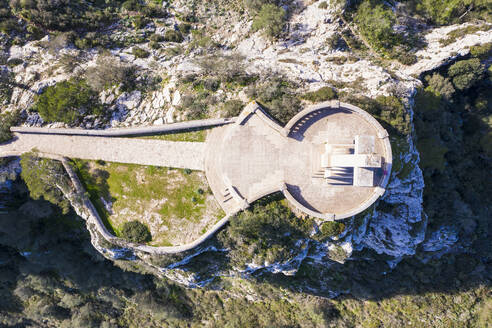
(130, 100)
(435, 54)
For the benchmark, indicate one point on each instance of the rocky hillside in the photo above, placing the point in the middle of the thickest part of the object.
(158, 62)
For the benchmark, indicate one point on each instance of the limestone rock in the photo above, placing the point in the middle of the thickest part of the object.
(129, 100)
(176, 98)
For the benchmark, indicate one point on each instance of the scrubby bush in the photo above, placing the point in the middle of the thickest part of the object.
(154, 45)
(140, 53)
(451, 11)
(376, 23)
(139, 21)
(196, 105)
(466, 73)
(226, 68)
(323, 5)
(270, 19)
(335, 41)
(45, 178)
(156, 37)
(481, 51)
(331, 229)
(440, 86)
(211, 84)
(110, 71)
(7, 82)
(267, 232)
(201, 40)
(67, 101)
(184, 28)
(256, 5)
(232, 108)
(7, 120)
(277, 97)
(136, 232)
(173, 36)
(322, 94)
(65, 15)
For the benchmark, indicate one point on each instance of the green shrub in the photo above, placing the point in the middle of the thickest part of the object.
(256, 5)
(184, 28)
(197, 105)
(110, 71)
(277, 97)
(323, 5)
(266, 232)
(376, 22)
(67, 101)
(451, 11)
(7, 120)
(140, 53)
(201, 40)
(335, 41)
(139, 21)
(332, 228)
(322, 94)
(482, 51)
(466, 73)
(232, 108)
(440, 86)
(156, 38)
(405, 58)
(43, 178)
(434, 152)
(270, 19)
(154, 45)
(173, 36)
(7, 82)
(136, 232)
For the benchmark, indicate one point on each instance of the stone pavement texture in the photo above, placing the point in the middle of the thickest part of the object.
(122, 150)
(255, 157)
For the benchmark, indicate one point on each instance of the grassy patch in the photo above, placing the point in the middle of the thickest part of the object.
(190, 135)
(177, 205)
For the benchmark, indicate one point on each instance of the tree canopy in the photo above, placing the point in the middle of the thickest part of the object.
(45, 178)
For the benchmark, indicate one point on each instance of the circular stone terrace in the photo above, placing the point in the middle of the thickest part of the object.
(331, 161)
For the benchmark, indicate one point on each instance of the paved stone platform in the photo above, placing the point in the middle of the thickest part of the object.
(255, 157)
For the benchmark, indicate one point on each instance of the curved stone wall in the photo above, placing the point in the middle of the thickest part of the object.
(382, 135)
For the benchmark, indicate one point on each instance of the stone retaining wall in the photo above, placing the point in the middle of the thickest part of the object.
(119, 132)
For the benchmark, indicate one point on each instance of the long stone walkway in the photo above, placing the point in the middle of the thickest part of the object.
(122, 150)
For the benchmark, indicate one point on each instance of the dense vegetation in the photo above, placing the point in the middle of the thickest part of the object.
(451, 11)
(277, 96)
(7, 120)
(270, 19)
(136, 232)
(454, 137)
(45, 178)
(70, 285)
(75, 14)
(394, 30)
(266, 234)
(53, 277)
(68, 101)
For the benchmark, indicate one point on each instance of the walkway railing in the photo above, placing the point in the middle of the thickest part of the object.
(119, 132)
